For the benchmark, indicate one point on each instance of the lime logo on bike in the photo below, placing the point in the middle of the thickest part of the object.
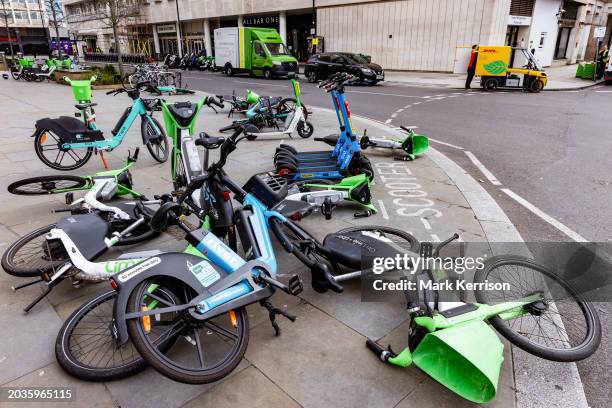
(496, 67)
(118, 266)
(204, 272)
(141, 267)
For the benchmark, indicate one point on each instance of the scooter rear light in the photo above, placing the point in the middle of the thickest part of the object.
(225, 195)
(113, 284)
(296, 217)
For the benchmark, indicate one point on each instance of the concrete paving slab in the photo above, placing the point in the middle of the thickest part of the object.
(28, 347)
(149, 388)
(249, 388)
(321, 362)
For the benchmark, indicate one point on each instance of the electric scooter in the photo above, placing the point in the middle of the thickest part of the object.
(346, 157)
(413, 144)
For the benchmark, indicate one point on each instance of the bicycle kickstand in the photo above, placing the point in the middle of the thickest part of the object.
(273, 312)
(40, 297)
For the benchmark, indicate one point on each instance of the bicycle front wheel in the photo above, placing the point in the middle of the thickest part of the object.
(47, 185)
(561, 328)
(49, 149)
(157, 141)
(202, 351)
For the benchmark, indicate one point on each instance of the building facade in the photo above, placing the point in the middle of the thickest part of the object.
(26, 26)
(420, 35)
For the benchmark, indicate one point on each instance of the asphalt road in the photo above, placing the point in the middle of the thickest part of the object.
(551, 150)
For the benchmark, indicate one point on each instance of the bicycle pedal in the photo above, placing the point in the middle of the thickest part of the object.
(295, 285)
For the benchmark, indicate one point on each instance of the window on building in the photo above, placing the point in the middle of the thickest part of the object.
(35, 15)
(32, 1)
(20, 15)
(521, 8)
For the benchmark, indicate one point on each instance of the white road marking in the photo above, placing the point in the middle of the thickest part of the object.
(394, 116)
(557, 224)
(417, 103)
(260, 84)
(446, 144)
(383, 209)
(483, 169)
(400, 110)
(197, 77)
(382, 93)
(435, 238)
(407, 106)
(440, 95)
(388, 120)
(603, 91)
(426, 223)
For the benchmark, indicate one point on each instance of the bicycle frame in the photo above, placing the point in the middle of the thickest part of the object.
(138, 109)
(180, 135)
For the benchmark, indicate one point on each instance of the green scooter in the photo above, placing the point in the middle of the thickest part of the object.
(325, 195)
(452, 341)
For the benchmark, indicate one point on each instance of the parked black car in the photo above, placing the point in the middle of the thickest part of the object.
(321, 66)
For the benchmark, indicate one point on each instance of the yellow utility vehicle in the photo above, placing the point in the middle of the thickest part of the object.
(493, 69)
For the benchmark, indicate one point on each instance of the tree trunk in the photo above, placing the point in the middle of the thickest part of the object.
(42, 23)
(118, 50)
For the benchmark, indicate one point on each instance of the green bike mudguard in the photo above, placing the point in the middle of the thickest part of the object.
(465, 358)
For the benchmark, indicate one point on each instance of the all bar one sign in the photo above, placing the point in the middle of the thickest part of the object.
(259, 20)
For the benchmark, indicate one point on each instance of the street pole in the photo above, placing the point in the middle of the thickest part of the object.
(179, 37)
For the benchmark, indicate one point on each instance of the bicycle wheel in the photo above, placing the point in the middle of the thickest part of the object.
(399, 237)
(46, 185)
(85, 346)
(32, 254)
(564, 328)
(180, 175)
(203, 351)
(49, 149)
(158, 143)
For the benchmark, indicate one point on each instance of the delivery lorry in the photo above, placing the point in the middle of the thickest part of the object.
(256, 51)
(494, 71)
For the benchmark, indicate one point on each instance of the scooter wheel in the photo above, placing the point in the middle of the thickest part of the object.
(284, 168)
(361, 165)
(285, 152)
(287, 147)
(251, 132)
(305, 129)
(285, 157)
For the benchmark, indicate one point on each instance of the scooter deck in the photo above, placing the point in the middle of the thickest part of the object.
(326, 153)
(318, 169)
(317, 162)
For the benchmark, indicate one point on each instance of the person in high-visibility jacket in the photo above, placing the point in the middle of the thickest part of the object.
(471, 70)
(602, 61)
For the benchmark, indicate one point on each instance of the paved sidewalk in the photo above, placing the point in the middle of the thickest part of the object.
(320, 360)
(560, 78)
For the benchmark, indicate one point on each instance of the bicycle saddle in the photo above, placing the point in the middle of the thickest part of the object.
(87, 231)
(70, 130)
(357, 249)
(183, 112)
(81, 106)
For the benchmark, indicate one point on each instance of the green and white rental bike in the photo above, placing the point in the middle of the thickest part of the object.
(67, 143)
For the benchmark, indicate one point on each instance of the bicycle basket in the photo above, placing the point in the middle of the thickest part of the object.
(268, 187)
(81, 90)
